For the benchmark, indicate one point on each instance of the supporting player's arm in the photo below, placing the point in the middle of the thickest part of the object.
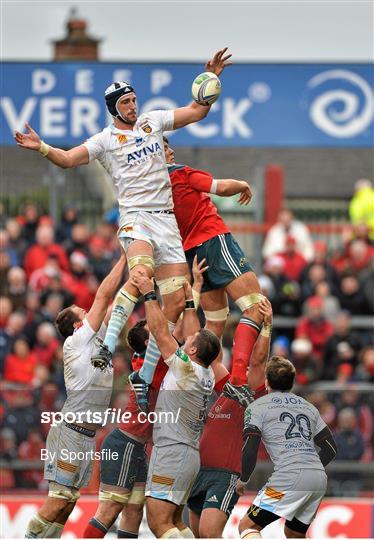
(261, 349)
(105, 294)
(252, 439)
(62, 158)
(158, 325)
(326, 442)
(195, 112)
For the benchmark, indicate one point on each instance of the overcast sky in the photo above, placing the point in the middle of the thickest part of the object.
(153, 30)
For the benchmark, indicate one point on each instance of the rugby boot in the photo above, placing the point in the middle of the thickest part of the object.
(103, 358)
(141, 389)
(241, 394)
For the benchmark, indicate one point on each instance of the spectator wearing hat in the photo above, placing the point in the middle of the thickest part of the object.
(314, 326)
(275, 241)
(307, 368)
(294, 261)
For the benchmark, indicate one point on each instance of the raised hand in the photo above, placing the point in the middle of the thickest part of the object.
(30, 139)
(266, 311)
(219, 61)
(197, 271)
(245, 195)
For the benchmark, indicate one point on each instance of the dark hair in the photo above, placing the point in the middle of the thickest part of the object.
(137, 336)
(280, 373)
(65, 320)
(207, 346)
(165, 139)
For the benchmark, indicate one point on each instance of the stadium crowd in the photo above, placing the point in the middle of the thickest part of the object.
(45, 267)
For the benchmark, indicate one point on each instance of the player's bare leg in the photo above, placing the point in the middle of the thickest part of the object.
(194, 520)
(169, 278)
(215, 306)
(248, 529)
(160, 517)
(55, 531)
(139, 259)
(184, 530)
(130, 521)
(212, 523)
(246, 293)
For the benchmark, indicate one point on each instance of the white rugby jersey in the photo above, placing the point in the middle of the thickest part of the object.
(184, 392)
(136, 163)
(288, 425)
(87, 388)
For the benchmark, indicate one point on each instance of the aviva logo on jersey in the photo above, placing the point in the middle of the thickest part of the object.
(146, 152)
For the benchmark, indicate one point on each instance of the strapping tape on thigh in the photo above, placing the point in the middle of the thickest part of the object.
(249, 300)
(145, 260)
(217, 316)
(121, 498)
(171, 284)
(63, 492)
(137, 495)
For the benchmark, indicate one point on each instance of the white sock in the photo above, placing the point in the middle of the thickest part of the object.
(55, 530)
(37, 527)
(172, 533)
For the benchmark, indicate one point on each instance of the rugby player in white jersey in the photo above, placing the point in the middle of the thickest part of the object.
(88, 392)
(290, 427)
(131, 151)
(175, 459)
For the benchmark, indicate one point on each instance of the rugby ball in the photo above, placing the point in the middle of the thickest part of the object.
(206, 88)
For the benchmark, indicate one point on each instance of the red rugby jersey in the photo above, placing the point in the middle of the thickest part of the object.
(197, 217)
(221, 441)
(135, 425)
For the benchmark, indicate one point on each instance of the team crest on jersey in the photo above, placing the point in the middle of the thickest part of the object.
(146, 128)
(122, 139)
(242, 262)
(139, 141)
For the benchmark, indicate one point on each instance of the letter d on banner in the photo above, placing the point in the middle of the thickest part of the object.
(43, 81)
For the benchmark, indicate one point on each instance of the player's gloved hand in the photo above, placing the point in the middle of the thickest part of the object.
(241, 394)
(240, 487)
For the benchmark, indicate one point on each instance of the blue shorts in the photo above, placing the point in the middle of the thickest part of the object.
(225, 259)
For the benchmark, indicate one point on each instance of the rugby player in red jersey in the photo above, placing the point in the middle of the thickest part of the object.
(213, 495)
(205, 235)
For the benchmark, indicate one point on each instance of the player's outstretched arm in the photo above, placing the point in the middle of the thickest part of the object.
(252, 437)
(194, 112)
(226, 187)
(105, 293)
(156, 320)
(261, 349)
(62, 158)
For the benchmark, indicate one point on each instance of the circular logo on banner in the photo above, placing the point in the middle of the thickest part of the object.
(346, 110)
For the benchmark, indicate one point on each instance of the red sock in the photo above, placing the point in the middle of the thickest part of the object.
(218, 387)
(94, 529)
(245, 337)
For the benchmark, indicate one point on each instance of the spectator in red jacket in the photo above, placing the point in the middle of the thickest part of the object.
(314, 326)
(36, 256)
(294, 262)
(20, 364)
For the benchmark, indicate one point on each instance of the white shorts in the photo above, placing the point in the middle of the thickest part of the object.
(293, 494)
(160, 230)
(172, 472)
(64, 463)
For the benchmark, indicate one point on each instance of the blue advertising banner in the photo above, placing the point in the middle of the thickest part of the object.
(260, 105)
